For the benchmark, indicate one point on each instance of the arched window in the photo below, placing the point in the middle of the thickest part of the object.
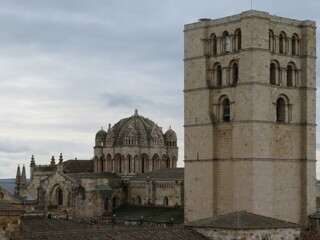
(289, 76)
(273, 73)
(213, 39)
(102, 164)
(139, 200)
(165, 201)
(282, 42)
(271, 40)
(238, 39)
(106, 204)
(235, 73)
(129, 163)
(59, 197)
(226, 42)
(114, 202)
(218, 73)
(226, 110)
(294, 44)
(281, 110)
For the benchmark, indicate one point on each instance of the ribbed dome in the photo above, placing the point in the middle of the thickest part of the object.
(136, 130)
(101, 134)
(170, 134)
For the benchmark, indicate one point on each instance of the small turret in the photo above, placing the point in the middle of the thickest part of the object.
(18, 176)
(23, 179)
(53, 162)
(60, 158)
(32, 166)
(32, 163)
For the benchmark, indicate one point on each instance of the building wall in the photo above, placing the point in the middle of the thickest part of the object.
(153, 192)
(9, 225)
(251, 234)
(253, 162)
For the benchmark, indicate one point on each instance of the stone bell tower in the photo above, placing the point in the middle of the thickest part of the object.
(250, 94)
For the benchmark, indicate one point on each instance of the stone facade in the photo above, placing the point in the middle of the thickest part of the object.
(159, 188)
(250, 116)
(10, 217)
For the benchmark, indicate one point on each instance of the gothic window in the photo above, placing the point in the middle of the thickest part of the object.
(102, 165)
(226, 110)
(281, 110)
(226, 42)
(234, 71)
(213, 40)
(271, 40)
(289, 75)
(165, 201)
(59, 197)
(282, 42)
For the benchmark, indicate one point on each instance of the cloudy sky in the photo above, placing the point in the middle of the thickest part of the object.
(69, 67)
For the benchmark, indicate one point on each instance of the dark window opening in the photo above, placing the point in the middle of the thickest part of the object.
(281, 111)
(226, 110)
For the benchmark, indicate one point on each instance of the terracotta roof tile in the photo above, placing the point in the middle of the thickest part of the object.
(77, 166)
(7, 207)
(241, 220)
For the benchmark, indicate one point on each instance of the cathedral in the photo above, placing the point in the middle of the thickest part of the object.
(134, 163)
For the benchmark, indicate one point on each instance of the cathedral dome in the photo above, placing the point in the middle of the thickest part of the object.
(136, 130)
(101, 134)
(170, 134)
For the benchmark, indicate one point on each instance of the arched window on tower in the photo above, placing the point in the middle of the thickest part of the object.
(235, 73)
(213, 40)
(294, 44)
(226, 110)
(282, 42)
(289, 76)
(274, 68)
(238, 39)
(218, 74)
(281, 110)
(271, 40)
(226, 42)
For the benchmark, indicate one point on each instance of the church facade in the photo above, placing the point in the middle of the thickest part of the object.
(249, 93)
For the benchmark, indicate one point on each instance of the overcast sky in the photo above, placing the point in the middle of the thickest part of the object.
(67, 68)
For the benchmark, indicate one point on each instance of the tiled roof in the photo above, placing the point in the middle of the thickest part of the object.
(9, 187)
(117, 234)
(162, 174)
(241, 220)
(7, 207)
(77, 166)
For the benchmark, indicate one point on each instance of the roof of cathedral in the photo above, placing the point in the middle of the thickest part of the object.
(241, 220)
(7, 207)
(46, 229)
(138, 128)
(114, 180)
(162, 174)
(77, 166)
(10, 188)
